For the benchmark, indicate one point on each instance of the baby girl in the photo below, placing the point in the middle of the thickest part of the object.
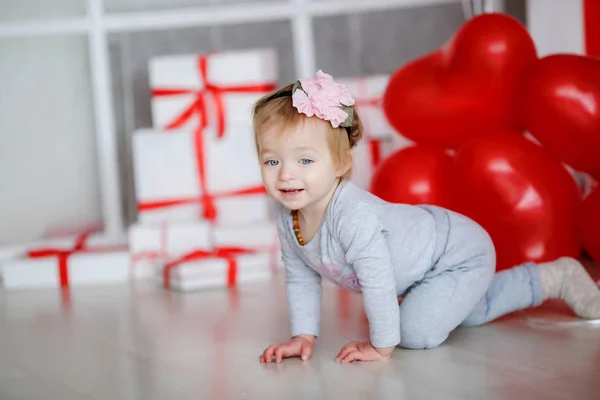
(441, 262)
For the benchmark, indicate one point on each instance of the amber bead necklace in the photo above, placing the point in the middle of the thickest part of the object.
(297, 227)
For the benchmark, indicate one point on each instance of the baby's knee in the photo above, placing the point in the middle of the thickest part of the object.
(476, 319)
(485, 245)
(411, 338)
(472, 235)
(482, 252)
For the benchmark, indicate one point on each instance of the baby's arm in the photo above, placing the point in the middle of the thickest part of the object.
(304, 303)
(362, 237)
(303, 286)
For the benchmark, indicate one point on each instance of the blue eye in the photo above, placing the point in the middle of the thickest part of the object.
(272, 162)
(305, 161)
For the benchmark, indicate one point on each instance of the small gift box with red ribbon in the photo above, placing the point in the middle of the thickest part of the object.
(379, 138)
(193, 175)
(260, 238)
(151, 245)
(215, 89)
(240, 255)
(19, 250)
(90, 259)
(219, 268)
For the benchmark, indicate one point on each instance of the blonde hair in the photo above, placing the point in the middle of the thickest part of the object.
(269, 112)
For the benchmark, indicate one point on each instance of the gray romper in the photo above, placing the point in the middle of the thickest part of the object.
(441, 262)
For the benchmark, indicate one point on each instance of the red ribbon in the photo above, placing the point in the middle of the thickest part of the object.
(63, 255)
(363, 101)
(375, 148)
(591, 17)
(198, 106)
(206, 199)
(228, 253)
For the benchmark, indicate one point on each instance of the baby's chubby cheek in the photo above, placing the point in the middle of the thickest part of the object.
(269, 182)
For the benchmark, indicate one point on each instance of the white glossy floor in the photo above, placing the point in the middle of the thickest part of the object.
(145, 343)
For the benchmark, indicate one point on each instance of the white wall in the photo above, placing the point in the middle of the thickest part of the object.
(48, 175)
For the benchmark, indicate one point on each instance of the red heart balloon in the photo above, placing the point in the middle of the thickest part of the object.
(467, 86)
(561, 108)
(417, 175)
(523, 197)
(589, 224)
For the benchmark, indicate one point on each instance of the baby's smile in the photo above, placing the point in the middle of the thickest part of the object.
(291, 192)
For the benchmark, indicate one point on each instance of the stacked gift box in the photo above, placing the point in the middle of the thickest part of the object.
(204, 218)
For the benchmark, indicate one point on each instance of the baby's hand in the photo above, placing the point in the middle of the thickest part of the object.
(300, 345)
(362, 351)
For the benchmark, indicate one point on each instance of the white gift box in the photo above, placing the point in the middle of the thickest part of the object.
(89, 258)
(215, 272)
(252, 251)
(262, 236)
(152, 245)
(220, 86)
(57, 267)
(379, 138)
(258, 237)
(19, 250)
(168, 183)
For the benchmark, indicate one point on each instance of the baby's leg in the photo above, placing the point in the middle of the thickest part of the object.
(511, 290)
(437, 305)
(447, 294)
(529, 285)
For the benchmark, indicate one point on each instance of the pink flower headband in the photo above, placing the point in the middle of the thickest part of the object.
(323, 98)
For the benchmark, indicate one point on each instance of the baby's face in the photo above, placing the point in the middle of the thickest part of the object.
(297, 168)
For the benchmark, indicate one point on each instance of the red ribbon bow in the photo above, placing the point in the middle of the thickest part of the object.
(63, 255)
(198, 106)
(228, 253)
